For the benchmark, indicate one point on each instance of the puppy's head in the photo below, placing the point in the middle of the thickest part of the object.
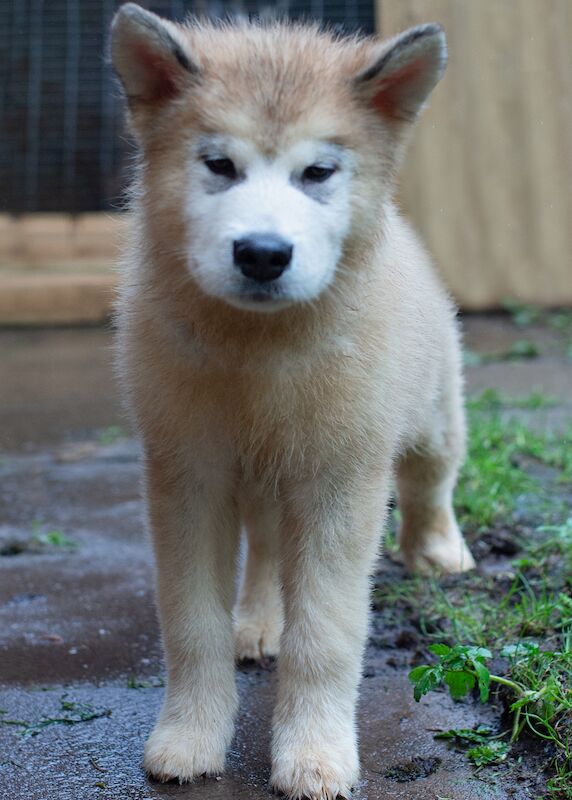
(267, 150)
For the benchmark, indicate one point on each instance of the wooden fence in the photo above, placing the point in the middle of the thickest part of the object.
(58, 269)
(488, 180)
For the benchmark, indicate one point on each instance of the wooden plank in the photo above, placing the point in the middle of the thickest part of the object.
(488, 179)
(99, 235)
(38, 240)
(53, 299)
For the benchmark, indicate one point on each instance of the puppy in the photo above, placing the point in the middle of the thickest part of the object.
(287, 352)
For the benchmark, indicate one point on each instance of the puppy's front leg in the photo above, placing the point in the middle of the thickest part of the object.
(195, 532)
(330, 544)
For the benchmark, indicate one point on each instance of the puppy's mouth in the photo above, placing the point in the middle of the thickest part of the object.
(259, 297)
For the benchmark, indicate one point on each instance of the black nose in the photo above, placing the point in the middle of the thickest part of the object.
(262, 256)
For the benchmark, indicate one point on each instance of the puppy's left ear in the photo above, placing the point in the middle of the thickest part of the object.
(403, 71)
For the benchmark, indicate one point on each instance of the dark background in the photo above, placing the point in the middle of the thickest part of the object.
(62, 142)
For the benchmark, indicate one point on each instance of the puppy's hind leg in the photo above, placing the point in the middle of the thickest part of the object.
(426, 476)
(258, 615)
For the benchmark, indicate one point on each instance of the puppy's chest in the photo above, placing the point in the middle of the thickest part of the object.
(254, 404)
(284, 415)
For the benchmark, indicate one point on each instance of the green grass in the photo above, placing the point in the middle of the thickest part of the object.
(472, 611)
(38, 542)
(521, 350)
(539, 690)
(53, 538)
(153, 683)
(551, 547)
(111, 435)
(493, 400)
(529, 631)
(69, 713)
(517, 620)
(482, 747)
(525, 315)
(494, 477)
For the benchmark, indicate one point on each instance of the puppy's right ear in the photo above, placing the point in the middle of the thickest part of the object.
(150, 55)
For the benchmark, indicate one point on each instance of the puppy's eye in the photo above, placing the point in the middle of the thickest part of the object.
(221, 166)
(318, 173)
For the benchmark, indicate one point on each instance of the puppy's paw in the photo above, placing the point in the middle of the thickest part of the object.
(439, 555)
(172, 752)
(315, 776)
(257, 637)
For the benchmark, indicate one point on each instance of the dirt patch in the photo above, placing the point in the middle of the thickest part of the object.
(417, 767)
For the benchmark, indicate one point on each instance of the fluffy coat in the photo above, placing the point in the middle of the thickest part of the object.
(294, 422)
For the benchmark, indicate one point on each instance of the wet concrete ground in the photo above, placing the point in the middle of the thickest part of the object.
(78, 619)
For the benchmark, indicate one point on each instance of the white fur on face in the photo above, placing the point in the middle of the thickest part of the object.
(267, 196)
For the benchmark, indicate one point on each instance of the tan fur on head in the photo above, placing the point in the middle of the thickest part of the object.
(268, 82)
(275, 87)
(287, 403)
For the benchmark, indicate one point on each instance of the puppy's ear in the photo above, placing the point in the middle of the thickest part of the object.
(403, 71)
(150, 55)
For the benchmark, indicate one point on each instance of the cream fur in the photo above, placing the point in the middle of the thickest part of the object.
(293, 421)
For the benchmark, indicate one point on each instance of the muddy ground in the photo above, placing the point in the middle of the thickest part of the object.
(78, 625)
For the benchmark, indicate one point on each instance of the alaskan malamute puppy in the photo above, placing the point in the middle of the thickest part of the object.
(289, 355)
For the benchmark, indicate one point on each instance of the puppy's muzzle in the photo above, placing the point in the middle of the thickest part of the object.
(263, 257)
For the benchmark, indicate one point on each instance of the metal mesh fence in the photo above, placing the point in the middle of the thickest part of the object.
(61, 139)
